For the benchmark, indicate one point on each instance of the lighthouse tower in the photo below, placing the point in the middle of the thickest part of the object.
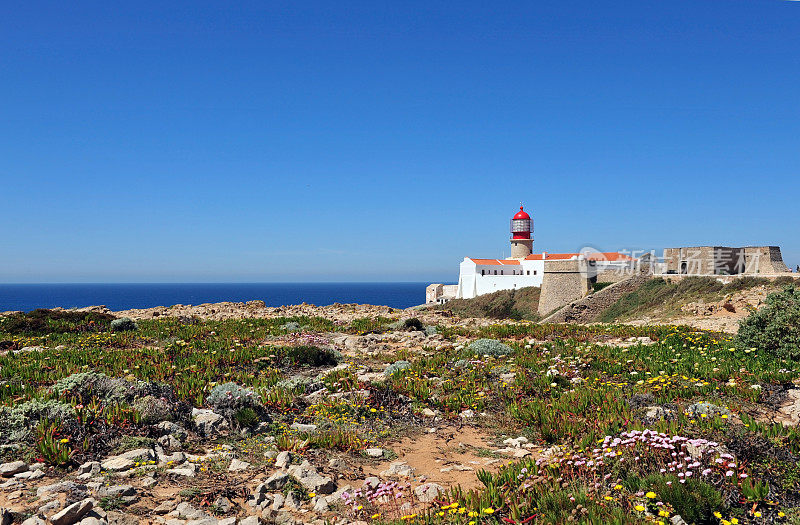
(521, 239)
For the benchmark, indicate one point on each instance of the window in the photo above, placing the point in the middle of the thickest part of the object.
(483, 272)
(534, 272)
(495, 272)
(529, 272)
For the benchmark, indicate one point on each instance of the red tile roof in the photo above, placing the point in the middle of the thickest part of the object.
(600, 256)
(503, 262)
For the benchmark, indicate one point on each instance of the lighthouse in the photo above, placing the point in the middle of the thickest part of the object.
(521, 239)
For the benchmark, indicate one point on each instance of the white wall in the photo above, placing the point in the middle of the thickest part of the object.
(472, 284)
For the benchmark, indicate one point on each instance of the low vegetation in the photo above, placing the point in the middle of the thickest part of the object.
(660, 297)
(626, 424)
(521, 303)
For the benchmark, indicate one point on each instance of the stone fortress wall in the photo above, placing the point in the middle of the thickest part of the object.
(563, 282)
(723, 260)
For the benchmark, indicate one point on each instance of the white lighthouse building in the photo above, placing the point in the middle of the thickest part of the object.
(524, 268)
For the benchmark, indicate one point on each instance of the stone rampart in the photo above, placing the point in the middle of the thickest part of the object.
(562, 283)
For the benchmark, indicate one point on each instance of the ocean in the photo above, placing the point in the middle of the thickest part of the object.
(27, 297)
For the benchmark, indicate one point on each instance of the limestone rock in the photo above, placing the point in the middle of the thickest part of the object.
(223, 504)
(165, 507)
(139, 455)
(169, 442)
(15, 467)
(208, 422)
(238, 465)
(277, 481)
(399, 469)
(73, 513)
(90, 467)
(311, 480)
(29, 475)
(428, 492)
(117, 464)
(57, 488)
(300, 427)
(173, 429)
(283, 459)
(187, 511)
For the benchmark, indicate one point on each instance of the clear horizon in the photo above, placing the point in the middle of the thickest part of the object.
(195, 142)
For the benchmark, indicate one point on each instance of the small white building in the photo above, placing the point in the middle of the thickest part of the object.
(481, 276)
(524, 268)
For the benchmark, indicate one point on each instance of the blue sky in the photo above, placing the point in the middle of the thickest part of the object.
(339, 141)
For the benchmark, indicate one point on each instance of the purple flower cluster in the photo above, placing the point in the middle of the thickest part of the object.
(682, 456)
(386, 496)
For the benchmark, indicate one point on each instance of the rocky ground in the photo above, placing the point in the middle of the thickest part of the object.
(357, 414)
(723, 315)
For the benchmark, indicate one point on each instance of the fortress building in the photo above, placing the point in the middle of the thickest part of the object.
(724, 260)
(566, 277)
(524, 268)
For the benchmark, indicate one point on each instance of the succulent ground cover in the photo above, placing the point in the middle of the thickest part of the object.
(587, 424)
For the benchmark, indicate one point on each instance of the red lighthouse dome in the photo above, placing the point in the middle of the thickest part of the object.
(521, 225)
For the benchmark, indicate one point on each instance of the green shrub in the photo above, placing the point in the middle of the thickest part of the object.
(745, 283)
(230, 399)
(42, 322)
(123, 324)
(396, 367)
(127, 443)
(775, 328)
(489, 347)
(596, 287)
(154, 409)
(17, 422)
(408, 325)
(291, 326)
(86, 386)
(521, 303)
(246, 418)
(307, 356)
(694, 500)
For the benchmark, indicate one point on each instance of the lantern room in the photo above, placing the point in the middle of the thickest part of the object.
(521, 225)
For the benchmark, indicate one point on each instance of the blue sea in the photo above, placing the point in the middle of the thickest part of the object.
(125, 296)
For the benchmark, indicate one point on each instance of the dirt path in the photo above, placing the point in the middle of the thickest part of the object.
(449, 456)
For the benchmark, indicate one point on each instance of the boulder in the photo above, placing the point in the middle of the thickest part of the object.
(208, 422)
(173, 429)
(15, 467)
(90, 467)
(428, 492)
(398, 469)
(117, 464)
(73, 513)
(300, 427)
(277, 481)
(283, 459)
(311, 480)
(238, 465)
(140, 455)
